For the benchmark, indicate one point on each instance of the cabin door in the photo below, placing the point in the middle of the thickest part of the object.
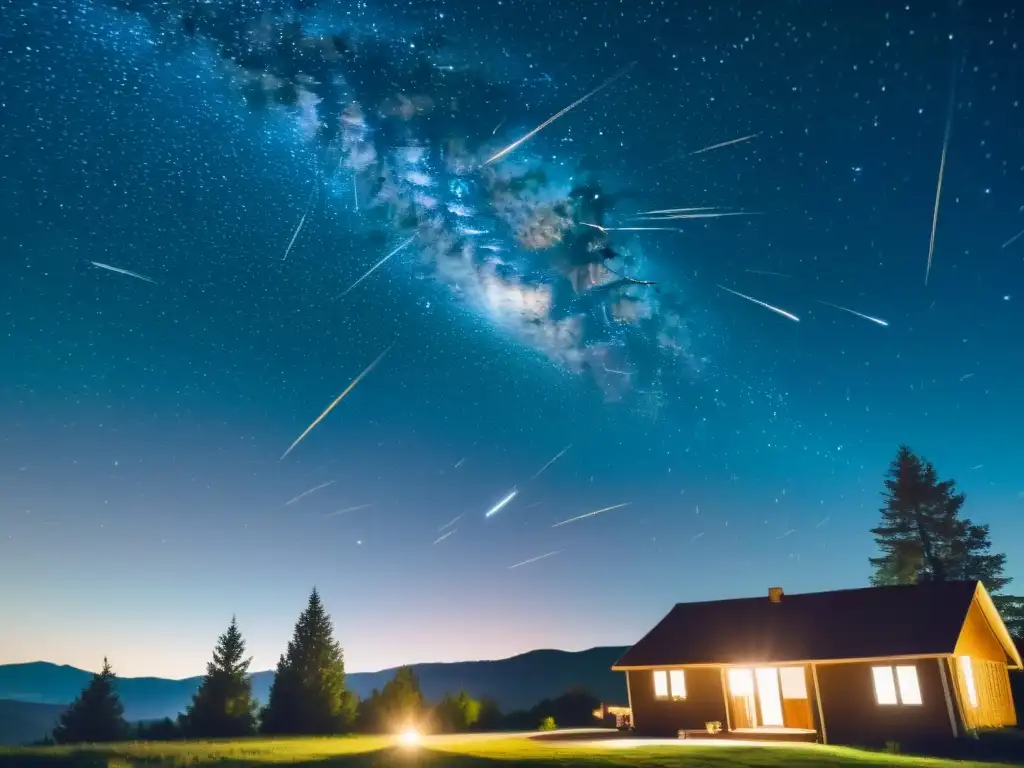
(769, 696)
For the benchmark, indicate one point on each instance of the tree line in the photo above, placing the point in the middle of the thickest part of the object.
(308, 697)
(924, 536)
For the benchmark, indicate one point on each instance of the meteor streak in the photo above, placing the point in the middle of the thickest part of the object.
(698, 215)
(501, 504)
(337, 400)
(776, 310)
(677, 210)
(724, 144)
(122, 271)
(374, 268)
(347, 509)
(591, 514)
(942, 170)
(311, 490)
(877, 320)
(449, 525)
(631, 229)
(518, 142)
(1013, 239)
(302, 222)
(441, 538)
(559, 455)
(535, 559)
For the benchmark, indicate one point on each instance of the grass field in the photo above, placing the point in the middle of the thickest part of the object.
(480, 751)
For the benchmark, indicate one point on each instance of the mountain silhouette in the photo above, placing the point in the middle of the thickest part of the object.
(515, 683)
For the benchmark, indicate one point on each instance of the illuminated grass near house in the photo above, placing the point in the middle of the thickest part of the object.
(477, 751)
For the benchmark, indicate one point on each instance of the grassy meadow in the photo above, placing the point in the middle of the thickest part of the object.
(480, 751)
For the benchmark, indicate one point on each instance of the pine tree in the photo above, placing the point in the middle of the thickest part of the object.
(96, 715)
(224, 707)
(904, 534)
(308, 695)
(924, 537)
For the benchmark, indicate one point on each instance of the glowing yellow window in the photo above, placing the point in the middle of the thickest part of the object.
(677, 684)
(896, 685)
(968, 672)
(660, 684)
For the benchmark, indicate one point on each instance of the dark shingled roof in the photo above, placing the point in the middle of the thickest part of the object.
(874, 622)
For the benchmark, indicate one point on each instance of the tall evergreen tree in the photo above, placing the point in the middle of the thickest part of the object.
(923, 536)
(96, 715)
(224, 707)
(308, 695)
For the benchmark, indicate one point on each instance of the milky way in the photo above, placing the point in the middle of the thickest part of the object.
(521, 242)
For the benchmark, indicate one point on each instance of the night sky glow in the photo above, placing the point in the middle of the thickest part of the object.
(687, 316)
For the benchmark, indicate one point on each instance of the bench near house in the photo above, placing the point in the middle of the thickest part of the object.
(909, 664)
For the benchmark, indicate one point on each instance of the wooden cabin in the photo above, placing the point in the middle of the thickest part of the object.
(906, 664)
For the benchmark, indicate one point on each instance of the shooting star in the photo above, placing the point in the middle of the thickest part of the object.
(942, 170)
(876, 320)
(966, 376)
(765, 272)
(559, 455)
(694, 538)
(459, 463)
(347, 509)
(449, 525)
(337, 400)
(518, 142)
(1013, 239)
(631, 229)
(302, 223)
(441, 538)
(591, 514)
(120, 271)
(776, 310)
(374, 268)
(787, 533)
(311, 490)
(823, 521)
(677, 216)
(724, 144)
(665, 211)
(535, 559)
(501, 504)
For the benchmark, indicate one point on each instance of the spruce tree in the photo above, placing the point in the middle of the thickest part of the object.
(308, 695)
(224, 707)
(96, 715)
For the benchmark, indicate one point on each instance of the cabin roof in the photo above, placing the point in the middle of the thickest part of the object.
(868, 623)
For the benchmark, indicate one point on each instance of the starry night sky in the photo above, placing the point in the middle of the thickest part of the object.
(142, 499)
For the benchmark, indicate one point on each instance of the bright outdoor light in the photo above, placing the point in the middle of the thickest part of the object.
(409, 737)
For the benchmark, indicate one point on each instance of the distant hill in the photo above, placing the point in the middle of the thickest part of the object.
(515, 683)
(22, 722)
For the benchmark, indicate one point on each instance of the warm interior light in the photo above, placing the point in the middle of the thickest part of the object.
(968, 671)
(885, 685)
(661, 684)
(409, 737)
(677, 683)
(910, 691)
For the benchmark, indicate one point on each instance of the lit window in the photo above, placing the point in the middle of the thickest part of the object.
(896, 685)
(677, 683)
(885, 685)
(968, 672)
(794, 683)
(910, 691)
(660, 684)
(741, 682)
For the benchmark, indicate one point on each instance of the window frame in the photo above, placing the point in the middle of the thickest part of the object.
(663, 675)
(897, 685)
(669, 690)
(681, 673)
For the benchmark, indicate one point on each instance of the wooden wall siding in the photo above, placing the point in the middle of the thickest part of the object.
(853, 716)
(665, 717)
(995, 701)
(977, 639)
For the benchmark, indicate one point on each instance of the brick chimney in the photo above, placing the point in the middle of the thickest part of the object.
(775, 594)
